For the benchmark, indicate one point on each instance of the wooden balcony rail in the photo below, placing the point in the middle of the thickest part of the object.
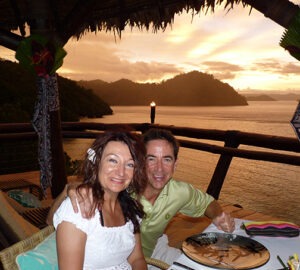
(271, 148)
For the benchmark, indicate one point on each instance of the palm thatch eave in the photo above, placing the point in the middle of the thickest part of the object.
(64, 19)
(70, 18)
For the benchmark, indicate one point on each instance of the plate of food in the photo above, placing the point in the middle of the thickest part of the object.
(225, 251)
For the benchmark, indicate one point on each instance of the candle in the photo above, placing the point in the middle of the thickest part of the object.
(152, 112)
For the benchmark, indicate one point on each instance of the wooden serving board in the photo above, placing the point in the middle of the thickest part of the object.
(225, 251)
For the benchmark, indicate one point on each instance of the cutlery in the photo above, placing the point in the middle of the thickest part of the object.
(183, 266)
(282, 263)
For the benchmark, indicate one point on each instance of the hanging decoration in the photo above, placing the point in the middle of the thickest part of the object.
(295, 122)
(40, 56)
(291, 38)
(43, 58)
(47, 101)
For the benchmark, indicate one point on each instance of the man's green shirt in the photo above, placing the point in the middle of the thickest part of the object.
(175, 197)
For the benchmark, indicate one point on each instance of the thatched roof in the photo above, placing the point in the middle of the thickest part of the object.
(92, 15)
(70, 18)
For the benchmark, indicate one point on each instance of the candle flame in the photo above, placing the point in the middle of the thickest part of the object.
(152, 104)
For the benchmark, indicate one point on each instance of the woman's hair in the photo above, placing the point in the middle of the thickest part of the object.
(162, 134)
(131, 208)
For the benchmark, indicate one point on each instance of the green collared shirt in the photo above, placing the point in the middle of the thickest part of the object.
(175, 197)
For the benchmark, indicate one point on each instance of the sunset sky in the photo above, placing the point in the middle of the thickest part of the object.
(235, 47)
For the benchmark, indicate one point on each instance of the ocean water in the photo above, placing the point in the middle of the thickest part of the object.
(266, 187)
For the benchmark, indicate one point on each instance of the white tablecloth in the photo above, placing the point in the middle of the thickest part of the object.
(282, 246)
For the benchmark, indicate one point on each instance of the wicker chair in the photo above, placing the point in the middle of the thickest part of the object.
(8, 255)
(157, 263)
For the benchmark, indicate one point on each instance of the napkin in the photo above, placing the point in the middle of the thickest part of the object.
(271, 228)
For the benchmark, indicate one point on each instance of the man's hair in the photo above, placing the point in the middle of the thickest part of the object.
(162, 134)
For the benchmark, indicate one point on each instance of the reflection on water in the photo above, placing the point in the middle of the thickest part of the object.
(262, 186)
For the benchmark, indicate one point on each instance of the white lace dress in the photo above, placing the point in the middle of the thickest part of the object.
(107, 248)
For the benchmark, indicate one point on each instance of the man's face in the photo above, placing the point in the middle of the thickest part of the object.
(160, 163)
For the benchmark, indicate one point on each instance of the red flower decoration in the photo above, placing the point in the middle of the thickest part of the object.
(40, 55)
(42, 58)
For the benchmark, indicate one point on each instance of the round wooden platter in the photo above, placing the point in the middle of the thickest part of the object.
(225, 251)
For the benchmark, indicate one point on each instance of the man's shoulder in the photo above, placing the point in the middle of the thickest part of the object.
(177, 184)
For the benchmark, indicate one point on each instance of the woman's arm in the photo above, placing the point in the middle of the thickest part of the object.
(137, 258)
(70, 244)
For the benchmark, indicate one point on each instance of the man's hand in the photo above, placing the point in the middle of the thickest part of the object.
(84, 199)
(224, 222)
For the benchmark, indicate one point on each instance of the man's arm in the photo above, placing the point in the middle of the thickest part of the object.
(85, 201)
(222, 220)
(59, 199)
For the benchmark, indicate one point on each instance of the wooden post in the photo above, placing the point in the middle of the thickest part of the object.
(42, 24)
(152, 112)
(222, 167)
(59, 176)
(47, 123)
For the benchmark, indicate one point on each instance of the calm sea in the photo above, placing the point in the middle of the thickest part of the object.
(266, 187)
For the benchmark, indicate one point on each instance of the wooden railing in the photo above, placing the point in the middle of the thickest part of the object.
(267, 148)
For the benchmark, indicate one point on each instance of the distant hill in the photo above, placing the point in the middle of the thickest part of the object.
(190, 89)
(259, 98)
(286, 96)
(275, 94)
(18, 97)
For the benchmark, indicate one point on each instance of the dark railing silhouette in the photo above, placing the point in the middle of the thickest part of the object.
(267, 147)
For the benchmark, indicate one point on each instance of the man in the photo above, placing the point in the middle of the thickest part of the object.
(163, 197)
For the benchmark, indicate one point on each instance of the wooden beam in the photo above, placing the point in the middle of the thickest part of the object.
(279, 11)
(9, 40)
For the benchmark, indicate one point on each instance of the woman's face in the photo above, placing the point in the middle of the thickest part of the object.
(116, 167)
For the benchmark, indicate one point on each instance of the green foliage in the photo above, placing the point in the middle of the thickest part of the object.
(18, 156)
(18, 97)
(13, 114)
(37, 54)
(82, 102)
(291, 37)
(72, 166)
(22, 155)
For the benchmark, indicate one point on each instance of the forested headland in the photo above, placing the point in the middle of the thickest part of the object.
(18, 94)
(187, 89)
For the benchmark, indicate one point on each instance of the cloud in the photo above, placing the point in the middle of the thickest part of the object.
(275, 66)
(268, 65)
(222, 70)
(218, 65)
(224, 75)
(100, 59)
(291, 69)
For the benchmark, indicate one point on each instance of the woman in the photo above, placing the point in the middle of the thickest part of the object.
(110, 238)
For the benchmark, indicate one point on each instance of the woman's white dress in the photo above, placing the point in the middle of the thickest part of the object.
(107, 248)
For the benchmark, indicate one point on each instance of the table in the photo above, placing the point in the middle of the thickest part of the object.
(282, 246)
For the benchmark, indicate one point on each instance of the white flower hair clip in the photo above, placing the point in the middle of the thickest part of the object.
(91, 155)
